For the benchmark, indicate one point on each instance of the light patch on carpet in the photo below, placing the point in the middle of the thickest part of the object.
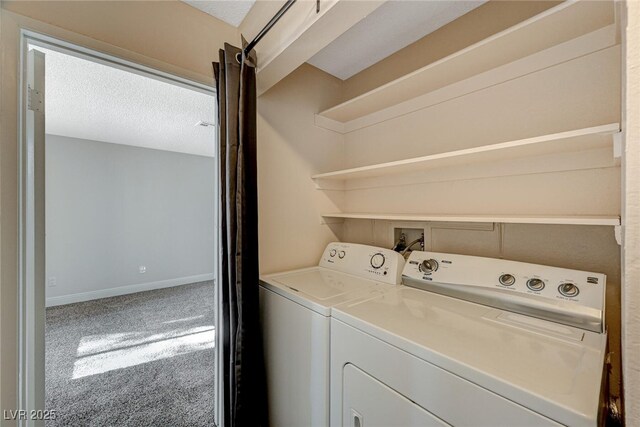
(98, 354)
(186, 319)
(92, 344)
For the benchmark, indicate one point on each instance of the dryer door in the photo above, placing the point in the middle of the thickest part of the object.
(369, 403)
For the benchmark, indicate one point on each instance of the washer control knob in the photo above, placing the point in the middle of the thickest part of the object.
(428, 266)
(341, 254)
(568, 289)
(535, 284)
(377, 260)
(507, 279)
(332, 252)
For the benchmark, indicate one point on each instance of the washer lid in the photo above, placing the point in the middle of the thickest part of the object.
(550, 368)
(319, 288)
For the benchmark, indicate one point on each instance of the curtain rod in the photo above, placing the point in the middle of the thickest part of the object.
(270, 24)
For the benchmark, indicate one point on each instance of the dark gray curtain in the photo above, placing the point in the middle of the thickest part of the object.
(241, 352)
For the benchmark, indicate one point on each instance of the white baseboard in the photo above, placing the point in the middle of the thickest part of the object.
(128, 289)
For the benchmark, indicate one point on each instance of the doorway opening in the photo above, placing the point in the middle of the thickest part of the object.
(120, 247)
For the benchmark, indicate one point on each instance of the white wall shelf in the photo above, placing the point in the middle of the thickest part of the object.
(609, 220)
(560, 34)
(579, 140)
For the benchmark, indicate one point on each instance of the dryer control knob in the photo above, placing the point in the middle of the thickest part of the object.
(568, 289)
(428, 266)
(507, 279)
(377, 260)
(535, 284)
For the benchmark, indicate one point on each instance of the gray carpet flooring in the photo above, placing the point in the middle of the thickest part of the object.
(143, 359)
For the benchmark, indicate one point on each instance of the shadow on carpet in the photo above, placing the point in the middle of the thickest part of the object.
(144, 359)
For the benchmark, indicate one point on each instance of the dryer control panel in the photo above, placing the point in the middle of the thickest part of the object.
(368, 262)
(571, 297)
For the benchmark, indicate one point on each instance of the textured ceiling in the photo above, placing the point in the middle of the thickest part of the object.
(85, 99)
(230, 11)
(389, 28)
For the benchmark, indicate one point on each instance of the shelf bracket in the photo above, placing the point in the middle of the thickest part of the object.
(329, 221)
(328, 184)
(617, 145)
(617, 230)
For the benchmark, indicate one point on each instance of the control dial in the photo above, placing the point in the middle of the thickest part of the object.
(377, 260)
(428, 266)
(535, 284)
(507, 279)
(332, 252)
(341, 254)
(568, 289)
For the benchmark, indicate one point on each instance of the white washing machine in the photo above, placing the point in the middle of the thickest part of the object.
(295, 309)
(471, 342)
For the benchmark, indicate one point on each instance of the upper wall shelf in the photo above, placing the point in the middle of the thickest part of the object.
(609, 220)
(563, 142)
(562, 33)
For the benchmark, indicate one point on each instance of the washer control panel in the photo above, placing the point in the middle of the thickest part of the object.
(369, 262)
(572, 297)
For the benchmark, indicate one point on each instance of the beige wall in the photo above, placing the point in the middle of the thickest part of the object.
(169, 36)
(168, 33)
(291, 149)
(580, 93)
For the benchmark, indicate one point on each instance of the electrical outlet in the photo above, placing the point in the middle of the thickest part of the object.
(142, 269)
(51, 282)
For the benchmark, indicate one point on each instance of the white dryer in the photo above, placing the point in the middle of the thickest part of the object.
(295, 309)
(482, 342)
